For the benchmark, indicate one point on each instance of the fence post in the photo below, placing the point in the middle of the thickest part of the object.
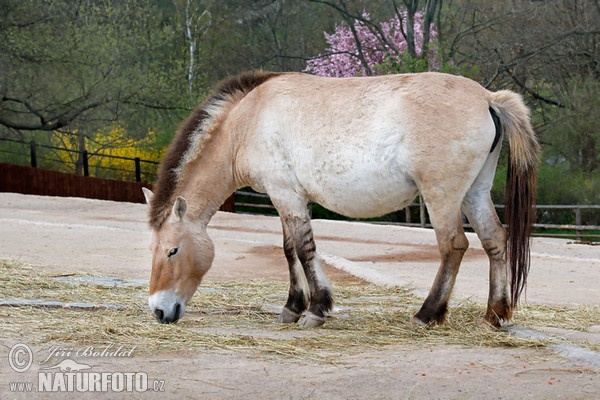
(86, 168)
(423, 217)
(407, 214)
(138, 170)
(33, 154)
(578, 222)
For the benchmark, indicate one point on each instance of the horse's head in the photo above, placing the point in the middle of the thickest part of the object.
(182, 253)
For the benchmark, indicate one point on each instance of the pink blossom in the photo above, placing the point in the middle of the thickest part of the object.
(342, 57)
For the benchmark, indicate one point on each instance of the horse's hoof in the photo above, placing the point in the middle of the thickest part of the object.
(312, 321)
(287, 316)
(492, 326)
(416, 321)
(495, 316)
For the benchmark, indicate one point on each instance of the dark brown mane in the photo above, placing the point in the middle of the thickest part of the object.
(167, 175)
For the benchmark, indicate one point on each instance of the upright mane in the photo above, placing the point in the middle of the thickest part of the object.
(193, 134)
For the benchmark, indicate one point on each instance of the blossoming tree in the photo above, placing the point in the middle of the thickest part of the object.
(365, 48)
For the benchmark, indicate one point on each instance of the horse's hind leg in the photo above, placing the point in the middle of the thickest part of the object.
(299, 292)
(479, 209)
(446, 220)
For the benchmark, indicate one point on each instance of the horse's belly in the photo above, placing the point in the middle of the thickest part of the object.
(361, 194)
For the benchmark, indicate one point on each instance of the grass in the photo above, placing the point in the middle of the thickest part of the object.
(241, 316)
(587, 237)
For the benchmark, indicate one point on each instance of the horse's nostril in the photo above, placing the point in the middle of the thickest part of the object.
(177, 310)
(159, 314)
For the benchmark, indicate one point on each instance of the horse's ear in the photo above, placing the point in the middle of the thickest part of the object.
(148, 194)
(179, 208)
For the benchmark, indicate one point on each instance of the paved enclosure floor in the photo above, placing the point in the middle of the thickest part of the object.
(62, 235)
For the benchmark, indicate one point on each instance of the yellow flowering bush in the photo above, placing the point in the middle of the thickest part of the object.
(111, 154)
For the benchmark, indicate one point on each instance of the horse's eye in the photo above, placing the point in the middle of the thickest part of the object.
(173, 251)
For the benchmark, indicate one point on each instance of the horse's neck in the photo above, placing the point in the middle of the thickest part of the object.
(208, 181)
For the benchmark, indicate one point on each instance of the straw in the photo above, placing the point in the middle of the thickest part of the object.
(241, 315)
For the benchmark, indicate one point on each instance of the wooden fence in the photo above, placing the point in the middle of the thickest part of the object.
(257, 203)
(29, 180)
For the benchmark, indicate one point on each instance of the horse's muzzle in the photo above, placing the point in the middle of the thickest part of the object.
(166, 306)
(168, 318)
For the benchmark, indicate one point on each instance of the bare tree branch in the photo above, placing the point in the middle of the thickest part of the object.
(411, 9)
(431, 8)
(45, 122)
(536, 95)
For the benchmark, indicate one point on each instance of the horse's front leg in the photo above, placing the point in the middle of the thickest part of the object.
(299, 293)
(321, 299)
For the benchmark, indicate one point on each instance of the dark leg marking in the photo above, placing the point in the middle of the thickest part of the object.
(321, 299)
(482, 215)
(498, 308)
(297, 300)
(435, 307)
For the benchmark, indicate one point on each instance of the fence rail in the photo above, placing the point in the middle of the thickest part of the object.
(42, 182)
(30, 154)
(246, 199)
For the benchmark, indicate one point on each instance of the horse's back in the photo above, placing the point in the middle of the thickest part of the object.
(424, 112)
(361, 146)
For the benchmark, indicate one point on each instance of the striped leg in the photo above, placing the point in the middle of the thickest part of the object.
(478, 207)
(299, 293)
(321, 299)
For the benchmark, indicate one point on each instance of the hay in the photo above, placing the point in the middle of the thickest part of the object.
(241, 316)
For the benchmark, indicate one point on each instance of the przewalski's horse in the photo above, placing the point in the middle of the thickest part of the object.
(362, 147)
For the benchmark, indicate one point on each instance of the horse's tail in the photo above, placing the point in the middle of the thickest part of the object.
(521, 180)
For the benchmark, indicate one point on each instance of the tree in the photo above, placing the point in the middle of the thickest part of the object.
(262, 34)
(550, 52)
(80, 65)
(358, 50)
(402, 42)
(196, 21)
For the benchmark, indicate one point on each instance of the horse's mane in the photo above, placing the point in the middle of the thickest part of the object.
(191, 135)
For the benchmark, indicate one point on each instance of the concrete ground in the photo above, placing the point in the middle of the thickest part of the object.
(61, 235)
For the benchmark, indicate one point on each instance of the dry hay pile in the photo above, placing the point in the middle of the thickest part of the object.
(241, 316)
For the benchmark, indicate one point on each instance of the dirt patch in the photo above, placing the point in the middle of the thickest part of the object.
(422, 254)
(274, 255)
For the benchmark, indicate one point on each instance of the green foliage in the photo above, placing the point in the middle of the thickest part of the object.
(83, 65)
(573, 136)
(558, 184)
(499, 186)
(406, 63)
